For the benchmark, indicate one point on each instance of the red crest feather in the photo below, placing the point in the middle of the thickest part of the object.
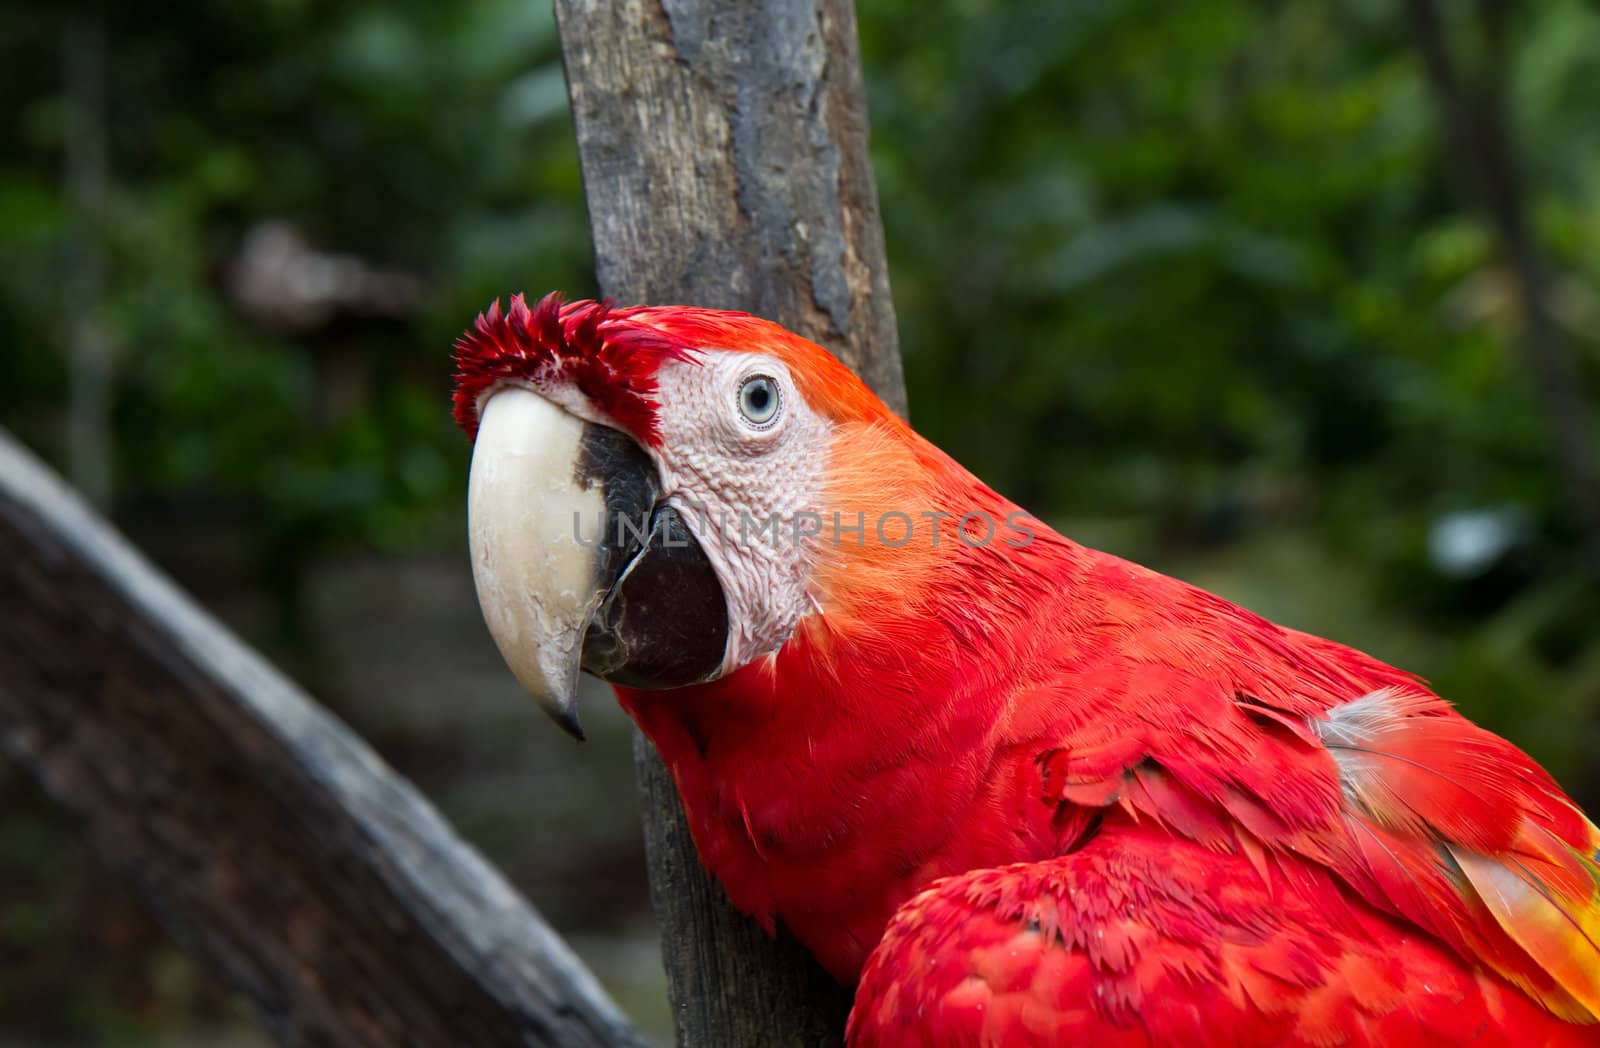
(611, 355)
(590, 346)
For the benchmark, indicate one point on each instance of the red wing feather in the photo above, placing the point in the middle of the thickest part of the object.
(1142, 940)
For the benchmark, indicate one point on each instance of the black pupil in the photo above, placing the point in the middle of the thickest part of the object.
(757, 396)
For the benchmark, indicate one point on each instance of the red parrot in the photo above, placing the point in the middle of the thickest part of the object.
(1017, 791)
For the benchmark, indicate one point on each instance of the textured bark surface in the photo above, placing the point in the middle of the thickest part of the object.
(270, 840)
(724, 153)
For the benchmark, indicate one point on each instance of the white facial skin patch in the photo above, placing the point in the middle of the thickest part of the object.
(748, 490)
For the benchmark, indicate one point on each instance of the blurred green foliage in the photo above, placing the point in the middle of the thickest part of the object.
(1197, 281)
(428, 137)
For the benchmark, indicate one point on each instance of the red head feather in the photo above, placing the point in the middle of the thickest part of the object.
(588, 346)
(611, 355)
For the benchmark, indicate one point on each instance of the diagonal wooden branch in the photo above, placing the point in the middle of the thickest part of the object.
(273, 843)
(724, 153)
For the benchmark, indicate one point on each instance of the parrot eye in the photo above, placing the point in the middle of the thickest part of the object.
(759, 400)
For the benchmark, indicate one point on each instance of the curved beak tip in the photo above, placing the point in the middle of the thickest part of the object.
(562, 706)
(567, 717)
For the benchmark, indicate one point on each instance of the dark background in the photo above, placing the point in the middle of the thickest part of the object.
(1210, 285)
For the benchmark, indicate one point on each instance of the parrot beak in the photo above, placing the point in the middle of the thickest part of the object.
(577, 563)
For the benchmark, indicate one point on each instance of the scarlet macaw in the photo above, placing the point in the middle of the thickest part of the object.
(1020, 791)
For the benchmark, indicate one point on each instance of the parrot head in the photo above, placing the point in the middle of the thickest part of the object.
(656, 493)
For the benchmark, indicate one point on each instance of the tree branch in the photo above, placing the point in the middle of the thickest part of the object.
(271, 841)
(724, 153)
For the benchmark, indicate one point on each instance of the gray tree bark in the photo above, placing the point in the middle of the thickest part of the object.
(271, 841)
(724, 154)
